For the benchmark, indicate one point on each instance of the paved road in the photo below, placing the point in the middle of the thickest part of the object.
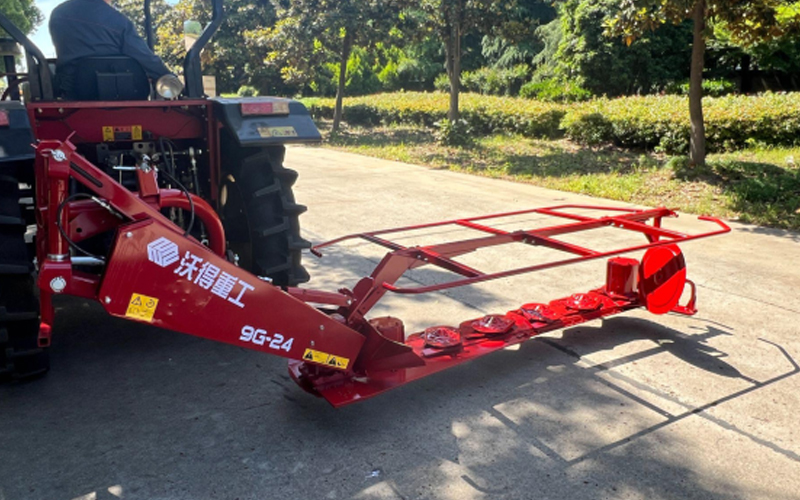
(637, 406)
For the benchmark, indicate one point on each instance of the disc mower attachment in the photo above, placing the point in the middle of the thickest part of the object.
(157, 273)
(656, 282)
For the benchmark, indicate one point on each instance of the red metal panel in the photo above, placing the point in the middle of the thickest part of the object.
(198, 293)
(71, 105)
(621, 276)
(86, 120)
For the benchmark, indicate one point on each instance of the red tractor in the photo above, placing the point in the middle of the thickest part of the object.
(177, 211)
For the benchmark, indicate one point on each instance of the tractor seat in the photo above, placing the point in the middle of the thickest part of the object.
(105, 78)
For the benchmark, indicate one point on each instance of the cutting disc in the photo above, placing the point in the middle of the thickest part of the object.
(539, 312)
(662, 277)
(492, 324)
(442, 337)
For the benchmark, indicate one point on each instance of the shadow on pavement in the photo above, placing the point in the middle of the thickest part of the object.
(153, 414)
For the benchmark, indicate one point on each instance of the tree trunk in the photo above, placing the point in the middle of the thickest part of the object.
(746, 85)
(453, 53)
(697, 145)
(347, 45)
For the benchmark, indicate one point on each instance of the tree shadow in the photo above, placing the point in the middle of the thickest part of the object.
(159, 414)
(381, 137)
(583, 160)
(552, 158)
(763, 193)
(766, 231)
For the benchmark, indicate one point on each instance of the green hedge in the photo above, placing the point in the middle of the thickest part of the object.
(732, 122)
(484, 114)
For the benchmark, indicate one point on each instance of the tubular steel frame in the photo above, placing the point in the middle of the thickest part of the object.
(402, 259)
(335, 350)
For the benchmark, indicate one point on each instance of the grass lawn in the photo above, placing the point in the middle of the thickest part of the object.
(760, 186)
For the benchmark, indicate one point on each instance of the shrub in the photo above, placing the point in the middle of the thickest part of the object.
(651, 122)
(442, 83)
(662, 122)
(555, 90)
(360, 114)
(589, 128)
(712, 87)
(454, 133)
(495, 81)
(636, 122)
(247, 91)
(484, 114)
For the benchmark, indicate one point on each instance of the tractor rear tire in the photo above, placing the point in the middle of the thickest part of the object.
(261, 217)
(20, 355)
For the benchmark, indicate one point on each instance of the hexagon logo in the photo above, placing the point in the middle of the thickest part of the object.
(163, 252)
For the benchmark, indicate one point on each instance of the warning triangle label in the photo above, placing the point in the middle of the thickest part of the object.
(326, 359)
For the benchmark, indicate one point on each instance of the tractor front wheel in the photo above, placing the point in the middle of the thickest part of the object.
(20, 355)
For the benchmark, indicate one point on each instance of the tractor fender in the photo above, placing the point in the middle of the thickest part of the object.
(266, 121)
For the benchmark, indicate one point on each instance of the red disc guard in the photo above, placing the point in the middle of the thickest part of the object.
(662, 277)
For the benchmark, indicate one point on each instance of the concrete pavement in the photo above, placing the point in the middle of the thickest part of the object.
(638, 406)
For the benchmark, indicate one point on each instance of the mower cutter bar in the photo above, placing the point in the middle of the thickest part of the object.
(466, 342)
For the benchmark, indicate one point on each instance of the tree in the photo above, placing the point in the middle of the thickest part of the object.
(452, 20)
(23, 13)
(748, 21)
(228, 56)
(25, 16)
(770, 64)
(584, 56)
(515, 41)
(308, 31)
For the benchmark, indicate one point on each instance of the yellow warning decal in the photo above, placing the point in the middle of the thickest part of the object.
(277, 132)
(108, 134)
(124, 133)
(326, 359)
(337, 362)
(142, 307)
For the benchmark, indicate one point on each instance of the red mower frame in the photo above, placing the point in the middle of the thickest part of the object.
(154, 273)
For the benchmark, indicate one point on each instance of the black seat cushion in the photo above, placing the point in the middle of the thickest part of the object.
(106, 78)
